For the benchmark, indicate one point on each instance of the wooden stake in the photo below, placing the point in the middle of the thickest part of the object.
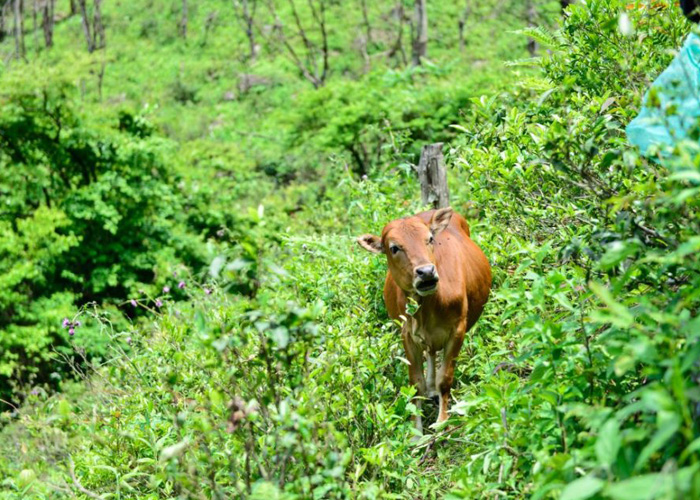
(433, 176)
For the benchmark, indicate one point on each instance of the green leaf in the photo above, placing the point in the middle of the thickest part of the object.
(582, 488)
(527, 61)
(692, 448)
(608, 443)
(617, 252)
(645, 487)
(174, 450)
(216, 266)
(686, 175)
(64, 408)
(619, 314)
(666, 431)
(280, 336)
(200, 321)
(265, 490)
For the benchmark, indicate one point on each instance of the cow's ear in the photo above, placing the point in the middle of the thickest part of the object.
(441, 218)
(371, 243)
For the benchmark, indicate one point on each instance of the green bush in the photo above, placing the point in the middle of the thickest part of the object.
(598, 397)
(88, 216)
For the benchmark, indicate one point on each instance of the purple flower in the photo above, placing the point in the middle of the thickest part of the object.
(71, 332)
(174, 274)
(159, 303)
(128, 340)
(220, 233)
(181, 285)
(78, 323)
(35, 392)
(133, 302)
(207, 291)
(66, 323)
(166, 289)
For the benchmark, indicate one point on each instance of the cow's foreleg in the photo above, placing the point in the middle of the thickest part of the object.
(447, 370)
(430, 377)
(414, 354)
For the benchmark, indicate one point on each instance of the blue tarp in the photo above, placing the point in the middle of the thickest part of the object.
(671, 106)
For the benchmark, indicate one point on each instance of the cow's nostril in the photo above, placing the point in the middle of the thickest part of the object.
(425, 271)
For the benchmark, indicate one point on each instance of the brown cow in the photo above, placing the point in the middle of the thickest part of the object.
(432, 260)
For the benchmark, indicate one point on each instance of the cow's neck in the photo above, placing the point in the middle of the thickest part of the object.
(420, 300)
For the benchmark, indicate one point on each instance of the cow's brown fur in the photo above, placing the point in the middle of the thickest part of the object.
(445, 314)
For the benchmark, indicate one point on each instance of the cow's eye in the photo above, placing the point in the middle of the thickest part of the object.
(394, 249)
(431, 240)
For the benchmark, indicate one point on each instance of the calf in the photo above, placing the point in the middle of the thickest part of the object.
(433, 261)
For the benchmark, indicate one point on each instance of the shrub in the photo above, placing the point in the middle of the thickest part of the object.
(88, 216)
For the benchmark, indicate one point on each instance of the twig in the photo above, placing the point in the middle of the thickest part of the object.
(9, 404)
(76, 483)
(438, 436)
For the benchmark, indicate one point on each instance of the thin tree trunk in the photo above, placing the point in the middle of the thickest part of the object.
(35, 12)
(397, 47)
(245, 13)
(100, 80)
(73, 7)
(2, 22)
(249, 19)
(362, 47)
(19, 30)
(321, 19)
(365, 20)
(420, 40)
(462, 24)
(183, 20)
(250, 33)
(47, 22)
(86, 26)
(531, 14)
(98, 29)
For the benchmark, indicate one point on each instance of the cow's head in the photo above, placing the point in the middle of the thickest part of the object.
(408, 246)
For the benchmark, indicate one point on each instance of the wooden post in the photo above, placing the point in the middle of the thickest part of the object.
(433, 176)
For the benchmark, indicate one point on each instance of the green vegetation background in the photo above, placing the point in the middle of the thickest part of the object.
(190, 212)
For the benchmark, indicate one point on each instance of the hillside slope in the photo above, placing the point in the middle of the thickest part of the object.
(276, 373)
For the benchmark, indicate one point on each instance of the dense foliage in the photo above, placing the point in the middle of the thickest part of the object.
(88, 215)
(266, 366)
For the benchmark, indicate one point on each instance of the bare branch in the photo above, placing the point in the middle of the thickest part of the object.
(76, 483)
(309, 66)
(245, 14)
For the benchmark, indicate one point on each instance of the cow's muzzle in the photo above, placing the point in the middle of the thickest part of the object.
(426, 280)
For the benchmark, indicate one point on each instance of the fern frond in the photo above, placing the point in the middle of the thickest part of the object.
(527, 61)
(535, 83)
(541, 35)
